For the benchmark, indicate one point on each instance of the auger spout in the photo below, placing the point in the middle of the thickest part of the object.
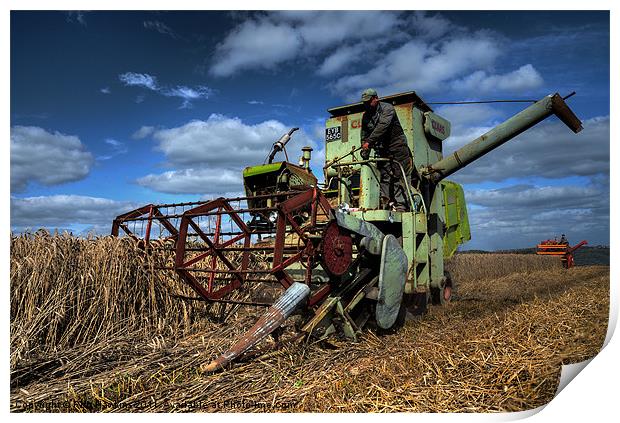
(522, 121)
(270, 321)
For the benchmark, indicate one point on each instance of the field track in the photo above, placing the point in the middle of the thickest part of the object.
(122, 343)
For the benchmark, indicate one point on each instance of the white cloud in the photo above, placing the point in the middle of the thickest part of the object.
(431, 27)
(425, 66)
(160, 27)
(268, 40)
(402, 50)
(78, 16)
(320, 29)
(58, 211)
(523, 79)
(105, 90)
(194, 181)
(188, 94)
(255, 44)
(117, 148)
(47, 158)
(520, 216)
(549, 150)
(462, 116)
(222, 141)
(339, 59)
(531, 198)
(143, 132)
(209, 156)
(459, 136)
(134, 79)
(114, 143)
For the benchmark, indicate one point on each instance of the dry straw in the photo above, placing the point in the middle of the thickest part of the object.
(93, 329)
(67, 291)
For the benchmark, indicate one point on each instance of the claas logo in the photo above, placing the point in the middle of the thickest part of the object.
(438, 127)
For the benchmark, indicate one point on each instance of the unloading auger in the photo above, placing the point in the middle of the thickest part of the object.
(341, 259)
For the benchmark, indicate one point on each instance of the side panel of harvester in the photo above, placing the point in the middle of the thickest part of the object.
(456, 221)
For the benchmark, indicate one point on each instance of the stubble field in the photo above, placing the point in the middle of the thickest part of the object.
(94, 328)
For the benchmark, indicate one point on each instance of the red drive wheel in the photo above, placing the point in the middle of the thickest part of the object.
(336, 250)
(447, 293)
(447, 288)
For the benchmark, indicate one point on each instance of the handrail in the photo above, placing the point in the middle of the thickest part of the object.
(386, 160)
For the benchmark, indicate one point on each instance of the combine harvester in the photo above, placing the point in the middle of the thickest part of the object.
(341, 260)
(560, 248)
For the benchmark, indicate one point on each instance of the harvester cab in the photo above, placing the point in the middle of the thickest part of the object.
(341, 260)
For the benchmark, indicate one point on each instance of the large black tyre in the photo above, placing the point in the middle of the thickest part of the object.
(417, 303)
(436, 295)
(400, 319)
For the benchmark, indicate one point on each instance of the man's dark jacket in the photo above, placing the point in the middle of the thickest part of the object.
(383, 132)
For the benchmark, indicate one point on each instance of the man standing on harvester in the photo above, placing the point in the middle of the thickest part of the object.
(382, 132)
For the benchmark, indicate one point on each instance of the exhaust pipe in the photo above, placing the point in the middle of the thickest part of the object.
(281, 143)
(270, 321)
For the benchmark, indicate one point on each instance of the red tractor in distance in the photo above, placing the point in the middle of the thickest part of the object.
(553, 247)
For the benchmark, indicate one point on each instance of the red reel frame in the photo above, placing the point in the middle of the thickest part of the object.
(212, 258)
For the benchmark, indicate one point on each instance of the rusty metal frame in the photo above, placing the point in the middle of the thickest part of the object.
(565, 251)
(152, 212)
(198, 251)
(215, 251)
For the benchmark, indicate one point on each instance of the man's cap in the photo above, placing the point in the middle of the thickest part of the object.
(368, 94)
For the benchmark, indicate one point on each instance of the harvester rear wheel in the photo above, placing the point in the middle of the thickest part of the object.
(417, 303)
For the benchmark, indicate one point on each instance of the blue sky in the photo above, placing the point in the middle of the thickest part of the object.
(112, 110)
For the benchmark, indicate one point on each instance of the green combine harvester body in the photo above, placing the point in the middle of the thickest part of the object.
(342, 259)
(436, 225)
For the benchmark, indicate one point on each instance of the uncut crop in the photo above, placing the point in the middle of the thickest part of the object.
(68, 291)
(471, 267)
